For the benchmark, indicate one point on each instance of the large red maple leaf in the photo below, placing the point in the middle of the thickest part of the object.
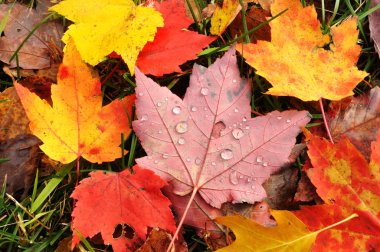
(208, 142)
(173, 44)
(106, 200)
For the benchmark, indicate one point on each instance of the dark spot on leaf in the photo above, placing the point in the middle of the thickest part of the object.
(94, 151)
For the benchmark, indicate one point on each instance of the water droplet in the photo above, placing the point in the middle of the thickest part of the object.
(241, 177)
(279, 117)
(236, 110)
(249, 180)
(234, 81)
(176, 110)
(144, 118)
(181, 141)
(227, 154)
(198, 161)
(233, 178)
(166, 99)
(288, 121)
(188, 159)
(244, 119)
(194, 109)
(253, 187)
(159, 104)
(165, 155)
(259, 159)
(237, 133)
(204, 91)
(181, 127)
(141, 94)
(213, 163)
(265, 164)
(149, 157)
(234, 125)
(160, 132)
(156, 161)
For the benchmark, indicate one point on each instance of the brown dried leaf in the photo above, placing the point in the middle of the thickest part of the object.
(358, 118)
(23, 154)
(159, 240)
(36, 53)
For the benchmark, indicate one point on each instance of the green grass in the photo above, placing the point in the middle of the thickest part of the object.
(41, 220)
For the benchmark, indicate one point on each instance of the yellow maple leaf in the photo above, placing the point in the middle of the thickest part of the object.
(290, 234)
(105, 26)
(223, 16)
(76, 124)
(295, 62)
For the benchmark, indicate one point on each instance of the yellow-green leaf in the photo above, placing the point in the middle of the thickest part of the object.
(105, 26)
(223, 16)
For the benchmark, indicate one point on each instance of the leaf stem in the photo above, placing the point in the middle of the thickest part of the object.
(325, 121)
(175, 236)
(339, 222)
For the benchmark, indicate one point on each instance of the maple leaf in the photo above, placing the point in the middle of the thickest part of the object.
(109, 26)
(295, 62)
(359, 234)
(172, 45)
(105, 200)
(358, 118)
(223, 16)
(208, 143)
(76, 124)
(290, 234)
(344, 179)
(36, 52)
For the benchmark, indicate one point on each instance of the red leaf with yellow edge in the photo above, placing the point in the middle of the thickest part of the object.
(359, 234)
(77, 125)
(173, 45)
(295, 62)
(106, 200)
(344, 179)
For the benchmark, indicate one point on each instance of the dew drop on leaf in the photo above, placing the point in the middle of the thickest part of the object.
(227, 154)
(198, 161)
(181, 127)
(233, 178)
(144, 118)
(288, 121)
(193, 109)
(156, 161)
(244, 119)
(213, 163)
(236, 110)
(237, 133)
(259, 159)
(165, 155)
(234, 81)
(204, 91)
(141, 94)
(265, 164)
(176, 110)
(249, 179)
(279, 117)
(181, 141)
(188, 159)
(159, 104)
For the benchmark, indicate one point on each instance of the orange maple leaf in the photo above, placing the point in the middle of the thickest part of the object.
(295, 62)
(76, 124)
(348, 184)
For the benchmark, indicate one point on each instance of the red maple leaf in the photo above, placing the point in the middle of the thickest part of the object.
(106, 200)
(208, 142)
(173, 45)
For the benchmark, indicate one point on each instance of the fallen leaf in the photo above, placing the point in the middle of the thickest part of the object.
(159, 240)
(305, 189)
(36, 53)
(173, 45)
(295, 62)
(374, 23)
(254, 17)
(77, 124)
(344, 178)
(208, 142)
(358, 118)
(223, 16)
(14, 121)
(106, 201)
(24, 155)
(356, 235)
(109, 26)
(290, 234)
